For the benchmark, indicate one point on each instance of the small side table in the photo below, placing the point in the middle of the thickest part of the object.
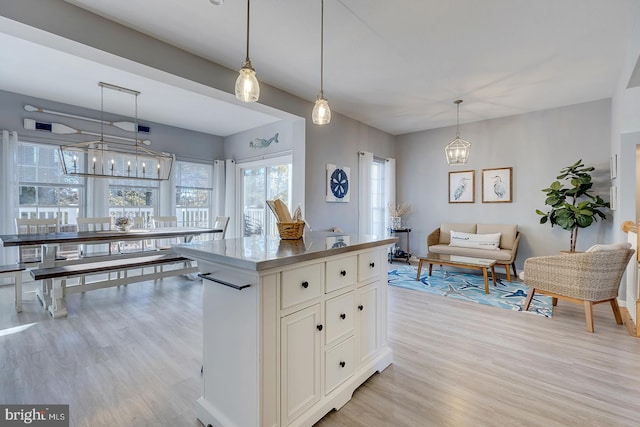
(403, 255)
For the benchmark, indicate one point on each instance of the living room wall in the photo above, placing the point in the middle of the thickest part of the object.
(537, 145)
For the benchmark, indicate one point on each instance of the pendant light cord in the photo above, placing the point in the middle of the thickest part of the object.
(248, 10)
(321, 48)
(458, 122)
(458, 102)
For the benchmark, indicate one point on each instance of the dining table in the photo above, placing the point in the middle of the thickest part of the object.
(51, 242)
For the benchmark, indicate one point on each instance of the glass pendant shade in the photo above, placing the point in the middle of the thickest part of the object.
(247, 87)
(457, 151)
(321, 114)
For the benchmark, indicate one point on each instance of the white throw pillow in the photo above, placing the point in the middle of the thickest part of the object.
(478, 241)
(612, 247)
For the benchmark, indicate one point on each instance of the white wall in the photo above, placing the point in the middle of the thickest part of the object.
(625, 138)
(537, 145)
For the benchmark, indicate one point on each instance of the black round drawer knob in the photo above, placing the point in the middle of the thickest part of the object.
(342, 364)
(343, 316)
(372, 264)
(305, 284)
(319, 327)
(343, 273)
(361, 307)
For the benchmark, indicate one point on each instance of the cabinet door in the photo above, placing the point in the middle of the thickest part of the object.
(301, 345)
(367, 322)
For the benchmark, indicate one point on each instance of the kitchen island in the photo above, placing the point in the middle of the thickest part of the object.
(290, 327)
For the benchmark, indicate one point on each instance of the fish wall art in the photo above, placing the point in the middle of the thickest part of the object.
(258, 143)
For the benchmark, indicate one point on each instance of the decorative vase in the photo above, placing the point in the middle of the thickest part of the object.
(396, 222)
(123, 223)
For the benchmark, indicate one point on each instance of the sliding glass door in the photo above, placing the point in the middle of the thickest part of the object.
(260, 181)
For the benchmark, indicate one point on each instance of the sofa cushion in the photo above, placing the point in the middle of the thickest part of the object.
(499, 255)
(478, 241)
(612, 247)
(445, 229)
(508, 232)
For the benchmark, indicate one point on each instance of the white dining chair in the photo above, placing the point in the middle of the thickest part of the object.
(163, 222)
(32, 254)
(221, 223)
(94, 224)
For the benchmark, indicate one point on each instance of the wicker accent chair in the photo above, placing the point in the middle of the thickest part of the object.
(585, 278)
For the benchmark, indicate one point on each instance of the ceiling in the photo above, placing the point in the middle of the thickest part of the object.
(394, 65)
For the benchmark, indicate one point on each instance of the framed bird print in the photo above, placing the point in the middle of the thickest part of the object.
(338, 182)
(461, 187)
(497, 185)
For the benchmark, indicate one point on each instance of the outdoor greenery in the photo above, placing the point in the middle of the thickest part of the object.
(573, 206)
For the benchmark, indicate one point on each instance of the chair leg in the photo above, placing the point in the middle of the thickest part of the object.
(554, 301)
(515, 273)
(527, 302)
(588, 315)
(616, 311)
(508, 270)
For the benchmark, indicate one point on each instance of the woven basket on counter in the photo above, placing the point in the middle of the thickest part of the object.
(290, 230)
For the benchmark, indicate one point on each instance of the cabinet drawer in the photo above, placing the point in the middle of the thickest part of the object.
(301, 284)
(339, 317)
(338, 365)
(369, 265)
(341, 273)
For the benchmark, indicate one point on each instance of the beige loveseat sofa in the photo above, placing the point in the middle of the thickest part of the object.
(440, 242)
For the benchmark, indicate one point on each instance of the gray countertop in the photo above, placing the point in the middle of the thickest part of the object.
(262, 253)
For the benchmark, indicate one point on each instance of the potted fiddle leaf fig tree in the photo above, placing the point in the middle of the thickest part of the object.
(573, 204)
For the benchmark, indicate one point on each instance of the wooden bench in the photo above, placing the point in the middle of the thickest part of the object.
(59, 274)
(15, 271)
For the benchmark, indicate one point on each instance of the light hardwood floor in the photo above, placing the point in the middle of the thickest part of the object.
(130, 357)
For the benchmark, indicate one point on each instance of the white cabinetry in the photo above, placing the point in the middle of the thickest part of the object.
(367, 322)
(300, 338)
(296, 343)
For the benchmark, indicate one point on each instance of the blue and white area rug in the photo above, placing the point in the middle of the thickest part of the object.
(470, 287)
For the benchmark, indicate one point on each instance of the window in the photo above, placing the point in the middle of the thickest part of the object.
(133, 197)
(194, 191)
(44, 191)
(377, 197)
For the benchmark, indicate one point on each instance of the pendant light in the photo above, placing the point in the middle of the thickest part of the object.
(247, 88)
(321, 112)
(115, 159)
(458, 150)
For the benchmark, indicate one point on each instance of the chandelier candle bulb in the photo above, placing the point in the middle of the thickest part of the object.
(144, 168)
(75, 161)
